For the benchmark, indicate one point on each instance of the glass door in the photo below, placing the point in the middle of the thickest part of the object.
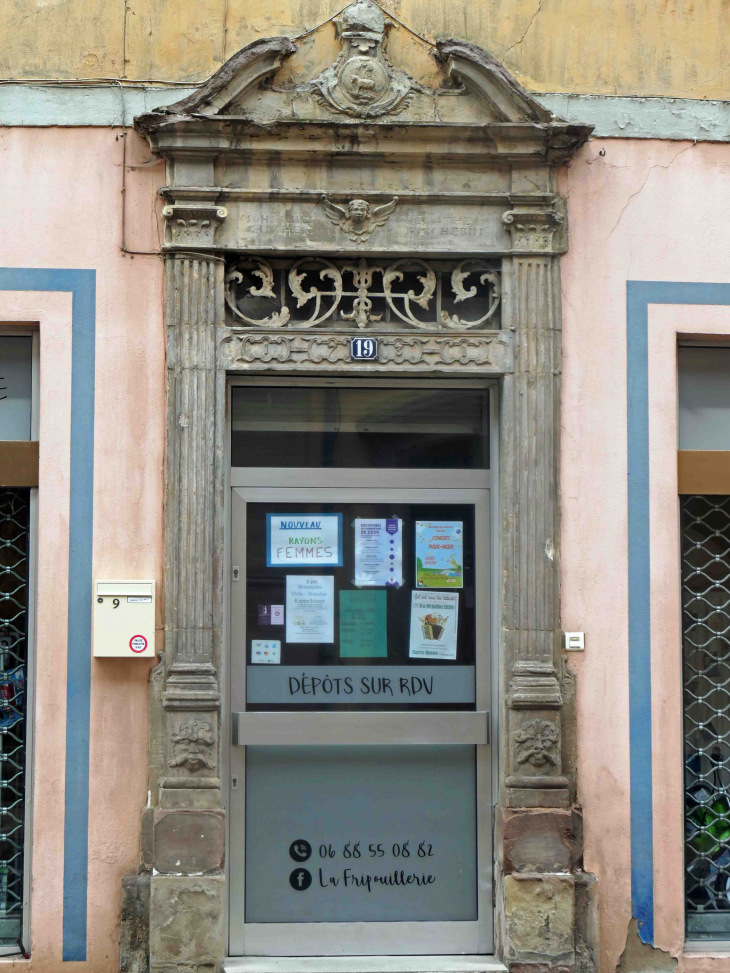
(360, 800)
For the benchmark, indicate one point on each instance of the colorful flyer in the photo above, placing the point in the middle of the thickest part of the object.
(310, 608)
(434, 622)
(439, 554)
(378, 552)
(363, 629)
(303, 540)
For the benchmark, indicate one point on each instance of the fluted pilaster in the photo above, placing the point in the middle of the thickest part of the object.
(530, 502)
(193, 528)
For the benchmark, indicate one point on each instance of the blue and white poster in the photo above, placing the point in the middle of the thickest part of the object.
(303, 540)
(378, 552)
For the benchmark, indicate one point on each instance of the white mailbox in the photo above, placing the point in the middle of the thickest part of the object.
(124, 619)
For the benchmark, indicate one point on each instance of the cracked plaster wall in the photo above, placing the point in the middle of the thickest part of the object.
(54, 217)
(646, 210)
(627, 47)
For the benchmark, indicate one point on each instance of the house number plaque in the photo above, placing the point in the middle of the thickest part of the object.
(364, 349)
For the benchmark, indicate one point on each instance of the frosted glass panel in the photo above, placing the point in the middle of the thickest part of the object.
(371, 834)
(704, 398)
(15, 386)
(360, 427)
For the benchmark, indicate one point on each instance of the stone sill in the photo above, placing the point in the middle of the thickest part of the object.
(706, 947)
(363, 964)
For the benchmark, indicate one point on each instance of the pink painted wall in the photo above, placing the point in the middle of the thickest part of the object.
(61, 193)
(647, 210)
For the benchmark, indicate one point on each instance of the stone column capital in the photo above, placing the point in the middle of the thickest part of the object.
(192, 224)
(532, 228)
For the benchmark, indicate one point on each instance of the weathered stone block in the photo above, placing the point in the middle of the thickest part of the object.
(186, 921)
(134, 939)
(536, 841)
(540, 968)
(188, 798)
(190, 968)
(577, 838)
(587, 926)
(539, 912)
(146, 838)
(538, 797)
(189, 842)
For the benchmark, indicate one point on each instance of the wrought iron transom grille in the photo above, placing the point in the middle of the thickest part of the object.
(706, 645)
(405, 294)
(14, 541)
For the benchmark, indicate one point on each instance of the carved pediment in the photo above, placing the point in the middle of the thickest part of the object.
(360, 136)
(460, 84)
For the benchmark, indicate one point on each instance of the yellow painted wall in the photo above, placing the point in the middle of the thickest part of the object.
(675, 48)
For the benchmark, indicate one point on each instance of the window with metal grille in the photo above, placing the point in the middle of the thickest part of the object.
(706, 646)
(14, 560)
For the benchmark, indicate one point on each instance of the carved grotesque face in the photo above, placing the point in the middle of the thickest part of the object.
(358, 211)
(537, 743)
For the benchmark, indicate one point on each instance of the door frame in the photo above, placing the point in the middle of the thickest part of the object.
(441, 940)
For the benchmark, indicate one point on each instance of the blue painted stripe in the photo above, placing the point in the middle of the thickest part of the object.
(82, 286)
(639, 295)
(642, 864)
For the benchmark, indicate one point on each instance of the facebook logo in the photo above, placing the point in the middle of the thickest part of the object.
(300, 879)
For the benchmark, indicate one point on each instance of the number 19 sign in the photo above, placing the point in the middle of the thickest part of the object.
(364, 349)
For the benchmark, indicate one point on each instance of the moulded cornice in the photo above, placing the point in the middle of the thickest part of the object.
(502, 142)
(520, 128)
(490, 82)
(244, 70)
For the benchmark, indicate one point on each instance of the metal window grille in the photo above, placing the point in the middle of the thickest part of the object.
(14, 551)
(706, 645)
(389, 294)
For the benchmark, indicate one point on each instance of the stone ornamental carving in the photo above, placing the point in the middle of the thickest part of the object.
(342, 293)
(532, 229)
(358, 220)
(262, 269)
(537, 743)
(362, 82)
(484, 353)
(192, 746)
(191, 224)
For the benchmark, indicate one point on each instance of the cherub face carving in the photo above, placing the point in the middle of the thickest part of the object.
(358, 219)
(358, 211)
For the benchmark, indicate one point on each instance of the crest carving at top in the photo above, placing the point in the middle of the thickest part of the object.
(362, 82)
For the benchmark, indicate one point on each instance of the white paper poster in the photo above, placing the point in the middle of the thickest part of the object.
(378, 552)
(294, 540)
(310, 608)
(434, 620)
